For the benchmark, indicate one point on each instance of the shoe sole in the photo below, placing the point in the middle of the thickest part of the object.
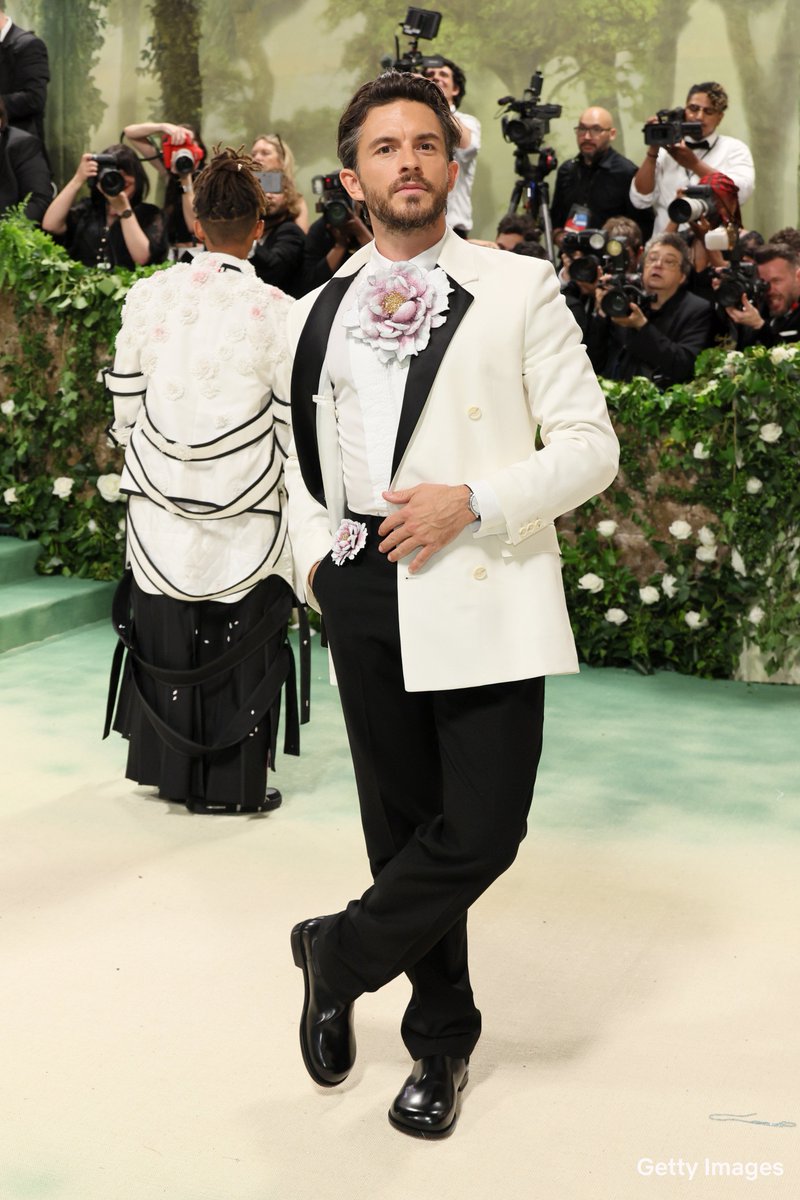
(412, 1131)
(298, 954)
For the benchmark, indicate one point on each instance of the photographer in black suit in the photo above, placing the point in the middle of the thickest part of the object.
(336, 234)
(24, 76)
(23, 170)
(778, 267)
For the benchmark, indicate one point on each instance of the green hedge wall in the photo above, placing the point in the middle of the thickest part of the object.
(689, 555)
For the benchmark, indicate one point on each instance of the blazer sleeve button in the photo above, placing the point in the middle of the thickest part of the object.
(480, 573)
(474, 413)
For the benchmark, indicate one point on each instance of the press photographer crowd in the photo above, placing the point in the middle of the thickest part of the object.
(653, 258)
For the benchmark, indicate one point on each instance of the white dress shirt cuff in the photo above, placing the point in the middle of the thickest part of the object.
(492, 518)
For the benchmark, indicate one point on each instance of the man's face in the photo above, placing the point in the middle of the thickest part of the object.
(594, 133)
(700, 107)
(784, 285)
(662, 272)
(402, 172)
(443, 78)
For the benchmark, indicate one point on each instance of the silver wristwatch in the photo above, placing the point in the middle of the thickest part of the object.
(474, 507)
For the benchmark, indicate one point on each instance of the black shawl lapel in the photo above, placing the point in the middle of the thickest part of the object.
(424, 367)
(309, 356)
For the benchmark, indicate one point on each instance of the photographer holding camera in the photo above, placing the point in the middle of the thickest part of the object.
(678, 158)
(112, 226)
(595, 258)
(24, 173)
(665, 328)
(177, 156)
(452, 83)
(336, 234)
(778, 267)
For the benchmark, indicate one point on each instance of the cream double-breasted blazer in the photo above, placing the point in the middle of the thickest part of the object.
(507, 362)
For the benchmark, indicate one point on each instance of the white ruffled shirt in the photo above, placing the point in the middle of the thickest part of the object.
(368, 396)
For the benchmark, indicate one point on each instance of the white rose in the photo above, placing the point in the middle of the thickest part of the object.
(700, 451)
(62, 486)
(108, 486)
(732, 360)
(706, 554)
(121, 524)
(91, 525)
(617, 616)
(668, 585)
(694, 620)
(753, 486)
(7, 407)
(707, 536)
(737, 562)
(780, 354)
(590, 583)
(10, 495)
(770, 432)
(648, 595)
(680, 530)
(756, 615)
(607, 528)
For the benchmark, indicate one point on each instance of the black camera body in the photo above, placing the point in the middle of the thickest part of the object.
(623, 292)
(333, 201)
(599, 254)
(695, 203)
(671, 128)
(109, 178)
(526, 129)
(737, 280)
(419, 23)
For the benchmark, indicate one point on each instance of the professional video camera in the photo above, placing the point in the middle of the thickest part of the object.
(183, 158)
(695, 203)
(737, 280)
(333, 201)
(419, 23)
(109, 178)
(599, 254)
(527, 129)
(670, 128)
(624, 291)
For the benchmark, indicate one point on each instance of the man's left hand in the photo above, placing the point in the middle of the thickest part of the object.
(429, 517)
(636, 320)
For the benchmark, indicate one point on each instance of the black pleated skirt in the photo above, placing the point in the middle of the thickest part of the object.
(166, 724)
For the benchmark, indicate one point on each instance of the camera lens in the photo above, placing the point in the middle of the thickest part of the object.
(111, 181)
(337, 212)
(616, 304)
(584, 270)
(687, 208)
(183, 162)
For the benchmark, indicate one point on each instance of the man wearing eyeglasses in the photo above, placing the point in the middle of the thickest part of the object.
(665, 170)
(595, 185)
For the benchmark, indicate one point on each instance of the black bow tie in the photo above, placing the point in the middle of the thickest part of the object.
(698, 145)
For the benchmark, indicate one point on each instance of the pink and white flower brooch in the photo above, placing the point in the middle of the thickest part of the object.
(397, 307)
(350, 538)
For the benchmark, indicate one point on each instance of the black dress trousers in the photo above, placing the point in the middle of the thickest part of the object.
(445, 782)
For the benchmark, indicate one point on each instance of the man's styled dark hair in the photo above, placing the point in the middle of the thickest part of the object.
(675, 242)
(519, 223)
(787, 237)
(777, 250)
(386, 89)
(715, 92)
(228, 199)
(459, 79)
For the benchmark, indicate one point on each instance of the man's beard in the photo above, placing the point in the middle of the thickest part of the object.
(420, 211)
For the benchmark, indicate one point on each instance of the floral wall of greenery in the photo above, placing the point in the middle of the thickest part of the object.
(692, 552)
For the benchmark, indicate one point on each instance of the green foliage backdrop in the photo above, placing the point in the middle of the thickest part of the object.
(690, 553)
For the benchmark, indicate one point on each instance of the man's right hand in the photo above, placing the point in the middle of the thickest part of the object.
(747, 315)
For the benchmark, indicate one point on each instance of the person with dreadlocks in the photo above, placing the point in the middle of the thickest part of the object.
(200, 385)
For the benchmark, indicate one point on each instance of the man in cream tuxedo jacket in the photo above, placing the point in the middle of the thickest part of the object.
(421, 509)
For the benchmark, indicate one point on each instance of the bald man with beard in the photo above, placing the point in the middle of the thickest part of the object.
(595, 185)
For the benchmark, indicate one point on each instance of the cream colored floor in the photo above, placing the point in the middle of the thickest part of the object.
(637, 968)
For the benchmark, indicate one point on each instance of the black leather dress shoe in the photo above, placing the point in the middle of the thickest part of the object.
(327, 1039)
(272, 800)
(427, 1105)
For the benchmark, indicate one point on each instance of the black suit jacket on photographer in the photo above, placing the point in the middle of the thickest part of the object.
(24, 171)
(774, 331)
(664, 350)
(278, 257)
(603, 187)
(24, 76)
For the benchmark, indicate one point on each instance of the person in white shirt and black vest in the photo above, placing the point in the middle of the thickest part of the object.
(421, 510)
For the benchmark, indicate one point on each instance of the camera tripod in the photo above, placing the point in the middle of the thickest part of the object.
(534, 187)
